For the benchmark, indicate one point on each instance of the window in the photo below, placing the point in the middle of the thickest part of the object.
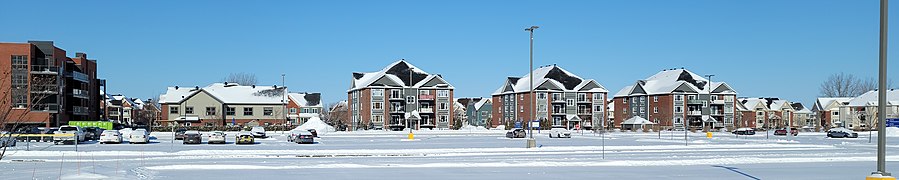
(597, 96)
(557, 97)
(678, 97)
(691, 97)
(443, 106)
(634, 100)
(293, 110)
(378, 119)
(377, 92)
(444, 119)
(424, 92)
(442, 93)
(377, 106)
(714, 97)
(541, 108)
(396, 94)
(597, 108)
(582, 97)
(210, 111)
(267, 111)
(642, 99)
(836, 113)
(189, 110)
(678, 109)
(642, 110)
(521, 108)
(571, 102)
(248, 111)
(655, 99)
(230, 111)
(541, 96)
(760, 114)
(655, 110)
(410, 99)
(173, 110)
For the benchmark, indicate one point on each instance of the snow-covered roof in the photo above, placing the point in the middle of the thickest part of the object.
(479, 104)
(230, 93)
(672, 80)
(870, 98)
(306, 99)
(637, 120)
(822, 103)
(397, 74)
(551, 76)
(800, 108)
(752, 103)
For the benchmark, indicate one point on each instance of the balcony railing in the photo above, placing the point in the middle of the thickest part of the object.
(694, 113)
(426, 110)
(44, 89)
(78, 110)
(79, 76)
(44, 69)
(80, 93)
(583, 100)
(45, 107)
(426, 97)
(584, 112)
(696, 101)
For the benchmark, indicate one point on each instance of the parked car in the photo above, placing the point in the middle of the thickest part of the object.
(841, 133)
(559, 133)
(304, 137)
(192, 137)
(783, 132)
(314, 133)
(179, 133)
(68, 134)
(516, 133)
(48, 134)
(258, 132)
(217, 137)
(744, 131)
(244, 138)
(139, 136)
(28, 130)
(92, 133)
(293, 135)
(110, 136)
(7, 139)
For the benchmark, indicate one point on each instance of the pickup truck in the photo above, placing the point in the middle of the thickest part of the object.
(67, 134)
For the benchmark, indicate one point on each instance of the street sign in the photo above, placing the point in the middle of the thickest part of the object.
(518, 124)
(535, 124)
(892, 122)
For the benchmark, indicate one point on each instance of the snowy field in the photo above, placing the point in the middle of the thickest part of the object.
(479, 154)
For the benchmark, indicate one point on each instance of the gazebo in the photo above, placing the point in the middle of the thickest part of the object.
(633, 122)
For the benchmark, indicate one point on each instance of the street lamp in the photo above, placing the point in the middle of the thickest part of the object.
(531, 141)
(881, 99)
(411, 136)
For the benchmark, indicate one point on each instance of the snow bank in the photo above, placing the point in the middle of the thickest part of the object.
(316, 123)
(84, 175)
(501, 127)
(472, 128)
(892, 132)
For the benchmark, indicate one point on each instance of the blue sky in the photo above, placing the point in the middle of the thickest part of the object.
(770, 48)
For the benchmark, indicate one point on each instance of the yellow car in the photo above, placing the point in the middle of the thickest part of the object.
(245, 138)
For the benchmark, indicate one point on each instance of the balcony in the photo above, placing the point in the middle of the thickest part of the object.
(45, 107)
(583, 100)
(426, 110)
(396, 98)
(44, 69)
(44, 89)
(79, 110)
(558, 112)
(559, 100)
(584, 113)
(80, 94)
(426, 97)
(113, 113)
(695, 101)
(78, 76)
(694, 113)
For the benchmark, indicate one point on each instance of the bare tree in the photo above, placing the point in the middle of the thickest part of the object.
(870, 84)
(13, 116)
(848, 85)
(245, 79)
(336, 115)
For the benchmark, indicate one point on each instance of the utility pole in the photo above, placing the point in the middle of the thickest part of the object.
(533, 115)
(881, 172)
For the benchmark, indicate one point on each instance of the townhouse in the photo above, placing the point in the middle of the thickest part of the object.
(45, 87)
(678, 99)
(770, 112)
(828, 110)
(478, 111)
(231, 104)
(862, 110)
(803, 118)
(302, 106)
(399, 96)
(562, 98)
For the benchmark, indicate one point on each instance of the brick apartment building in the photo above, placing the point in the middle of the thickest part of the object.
(45, 88)
(562, 98)
(674, 98)
(399, 96)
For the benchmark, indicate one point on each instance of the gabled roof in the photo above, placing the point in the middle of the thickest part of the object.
(870, 98)
(306, 99)
(397, 74)
(675, 80)
(230, 93)
(822, 103)
(752, 103)
(554, 78)
(478, 105)
(800, 108)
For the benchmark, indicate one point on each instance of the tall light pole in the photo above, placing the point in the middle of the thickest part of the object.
(881, 98)
(709, 104)
(408, 104)
(531, 141)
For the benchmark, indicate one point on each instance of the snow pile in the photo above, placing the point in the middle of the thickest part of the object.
(892, 132)
(501, 127)
(84, 175)
(317, 124)
(472, 128)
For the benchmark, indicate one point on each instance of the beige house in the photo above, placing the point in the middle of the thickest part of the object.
(225, 104)
(862, 110)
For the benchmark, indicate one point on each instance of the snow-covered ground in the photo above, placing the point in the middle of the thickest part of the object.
(464, 154)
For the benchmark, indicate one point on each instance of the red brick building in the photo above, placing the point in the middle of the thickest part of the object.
(47, 88)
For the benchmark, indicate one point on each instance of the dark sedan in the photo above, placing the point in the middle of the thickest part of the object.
(516, 133)
(783, 132)
(179, 134)
(841, 133)
(192, 137)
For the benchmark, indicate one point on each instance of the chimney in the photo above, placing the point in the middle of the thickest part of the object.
(81, 55)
